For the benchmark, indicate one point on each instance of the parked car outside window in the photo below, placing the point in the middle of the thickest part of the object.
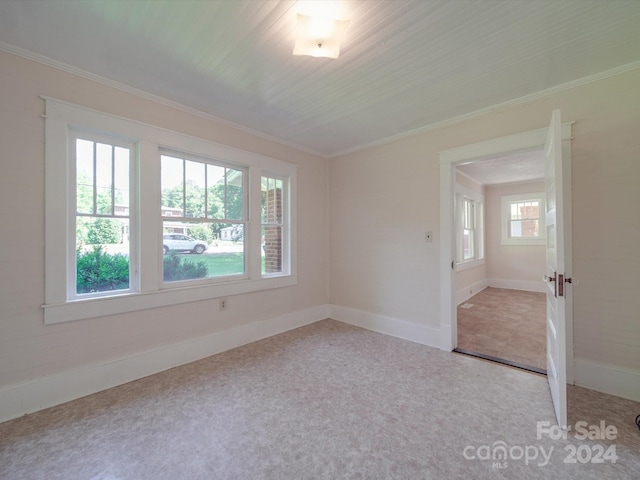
(182, 243)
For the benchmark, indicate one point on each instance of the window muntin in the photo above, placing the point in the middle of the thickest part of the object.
(102, 260)
(205, 202)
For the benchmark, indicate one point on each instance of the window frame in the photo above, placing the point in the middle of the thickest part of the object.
(285, 224)
(61, 118)
(478, 232)
(208, 220)
(505, 219)
(73, 135)
(469, 225)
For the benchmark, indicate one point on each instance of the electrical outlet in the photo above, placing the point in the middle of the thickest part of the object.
(428, 237)
(223, 304)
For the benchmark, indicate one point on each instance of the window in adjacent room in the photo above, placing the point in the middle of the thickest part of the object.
(469, 228)
(523, 219)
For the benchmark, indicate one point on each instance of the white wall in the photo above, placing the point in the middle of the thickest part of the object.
(511, 266)
(29, 350)
(393, 188)
(366, 254)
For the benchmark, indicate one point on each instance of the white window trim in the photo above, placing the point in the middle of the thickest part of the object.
(72, 135)
(61, 117)
(479, 259)
(469, 264)
(506, 201)
(286, 224)
(209, 280)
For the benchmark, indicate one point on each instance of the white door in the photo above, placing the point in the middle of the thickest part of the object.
(555, 277)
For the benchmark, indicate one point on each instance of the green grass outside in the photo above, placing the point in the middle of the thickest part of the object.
(218, 264)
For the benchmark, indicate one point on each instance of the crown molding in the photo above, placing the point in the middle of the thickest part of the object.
(499, 106)
(65, 67)
(44, 60)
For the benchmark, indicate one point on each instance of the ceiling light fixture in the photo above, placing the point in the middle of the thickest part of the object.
(318, 33)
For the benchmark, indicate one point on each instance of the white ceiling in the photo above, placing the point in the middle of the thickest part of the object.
(404, 65)
(515, 167)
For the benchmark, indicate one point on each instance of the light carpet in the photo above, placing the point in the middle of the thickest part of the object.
(326, 401)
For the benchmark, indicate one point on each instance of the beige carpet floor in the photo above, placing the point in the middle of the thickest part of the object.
(507, 324)
(326, 401)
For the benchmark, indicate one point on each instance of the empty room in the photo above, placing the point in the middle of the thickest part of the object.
(501, 259)
(247, 228)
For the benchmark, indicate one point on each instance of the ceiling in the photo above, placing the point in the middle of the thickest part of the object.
(525, 166)
(404, 65)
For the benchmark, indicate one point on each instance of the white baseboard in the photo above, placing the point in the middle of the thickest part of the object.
(387, 325)
(465, 293)
(38, 394)
(608, 379)
(34, 395)
(525, 285)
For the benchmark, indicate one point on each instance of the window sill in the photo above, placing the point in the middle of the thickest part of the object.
(523, 241)
(103, 306)
(469, 264)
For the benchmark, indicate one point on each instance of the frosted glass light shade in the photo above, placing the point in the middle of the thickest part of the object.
(319, 36)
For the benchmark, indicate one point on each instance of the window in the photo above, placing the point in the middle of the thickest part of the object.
(102, 203)
(206, 200)
(272, 194)
(470, 228)
(523, 221)
(133, 221)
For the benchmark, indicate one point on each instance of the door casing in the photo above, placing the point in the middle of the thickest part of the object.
(449, 159)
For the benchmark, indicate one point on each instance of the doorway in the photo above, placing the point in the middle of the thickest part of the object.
(500, 259)
(449, 160)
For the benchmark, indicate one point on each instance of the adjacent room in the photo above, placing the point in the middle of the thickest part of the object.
(500, 259)
(242, 239)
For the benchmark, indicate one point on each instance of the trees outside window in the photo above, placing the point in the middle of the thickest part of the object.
(102, 192)
(207, 200)
(116, 187)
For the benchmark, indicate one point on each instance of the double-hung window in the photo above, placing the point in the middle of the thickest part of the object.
(100, 236)
(203, 204)
(523, 219)
(470, 228)
(141, 217)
